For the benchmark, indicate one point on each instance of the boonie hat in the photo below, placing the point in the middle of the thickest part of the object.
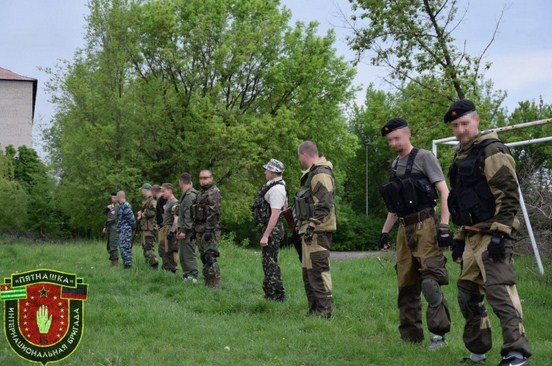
(392, 125)
(458, 109)
(275, 166)
(146, 186)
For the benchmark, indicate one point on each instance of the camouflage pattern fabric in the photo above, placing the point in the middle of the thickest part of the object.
(208, 205)
(273, 285)
(125, 226)
(495, 279)
(187, 249)
(111, 232)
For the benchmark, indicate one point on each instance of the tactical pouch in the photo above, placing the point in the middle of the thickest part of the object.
(409, 194)
(391, 193)
(304, 207)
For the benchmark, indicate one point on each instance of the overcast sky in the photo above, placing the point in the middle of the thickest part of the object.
(40, 33)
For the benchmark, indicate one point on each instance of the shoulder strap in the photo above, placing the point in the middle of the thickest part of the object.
(410, 162)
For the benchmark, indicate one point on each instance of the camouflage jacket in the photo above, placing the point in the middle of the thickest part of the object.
(499, 170)
(112, 214)
(206, 209)
(185, 221)
(126, 217)
(148, 214)
(169, 212)
(322, 191)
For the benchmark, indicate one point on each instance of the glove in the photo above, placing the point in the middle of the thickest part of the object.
(208, 235)
(457, 249)
(496, 250)
(309, 234)
(170, 236)
(384, 241)
(444, 237)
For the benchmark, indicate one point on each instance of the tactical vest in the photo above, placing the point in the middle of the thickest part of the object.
(470, 199)
(260, 208)
(409, 193)
(304, 204)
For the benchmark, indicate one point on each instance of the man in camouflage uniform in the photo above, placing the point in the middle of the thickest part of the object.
(186, 242)
(206, 216)
(421, 237)
(168, 247)
(126, 223)
(110, 230)
(315, 208)
(484, 201)
(146, 216)
(270, 201)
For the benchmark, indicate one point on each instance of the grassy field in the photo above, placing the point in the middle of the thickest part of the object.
(141, 317)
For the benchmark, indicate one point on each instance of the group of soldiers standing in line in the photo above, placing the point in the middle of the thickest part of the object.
(179, 225)
(483, 203)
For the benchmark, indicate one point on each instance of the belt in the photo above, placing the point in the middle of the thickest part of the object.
(416, 217)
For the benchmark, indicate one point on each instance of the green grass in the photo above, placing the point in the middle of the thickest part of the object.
(141, 317)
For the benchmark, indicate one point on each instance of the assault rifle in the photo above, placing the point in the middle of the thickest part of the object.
(289, 216)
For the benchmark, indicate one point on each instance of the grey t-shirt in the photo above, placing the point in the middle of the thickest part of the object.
(424, 162)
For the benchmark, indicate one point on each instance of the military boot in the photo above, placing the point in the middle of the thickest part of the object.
(114, 262)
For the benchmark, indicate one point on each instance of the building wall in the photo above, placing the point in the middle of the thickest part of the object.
(16, 113)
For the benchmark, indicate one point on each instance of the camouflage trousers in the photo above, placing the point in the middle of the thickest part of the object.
(125, 244)
(421, 263)
(208, 253)
(317, 278)
(272, 284)
(496, 280)
(148, 248)
(113, 244)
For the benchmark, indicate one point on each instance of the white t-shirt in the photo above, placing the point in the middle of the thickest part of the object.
(276, 196)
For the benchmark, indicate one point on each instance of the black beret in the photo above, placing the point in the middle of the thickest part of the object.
(458, 109)
(392, 125)
(113, 193)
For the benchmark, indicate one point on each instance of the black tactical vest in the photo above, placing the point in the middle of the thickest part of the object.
(408, 193)
(470, 199)
(260, 208)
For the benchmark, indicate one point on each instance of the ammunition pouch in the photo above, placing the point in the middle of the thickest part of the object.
(408, 194)
(199, 213)
(304, 206)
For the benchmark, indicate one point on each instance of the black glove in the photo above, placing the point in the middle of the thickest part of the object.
(496, 249)
(457, 249)
(444, 237)
(170, 235)
(384, 241)
(309, 234)
(208, 235)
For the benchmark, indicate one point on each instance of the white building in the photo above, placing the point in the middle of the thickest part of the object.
(17, 105)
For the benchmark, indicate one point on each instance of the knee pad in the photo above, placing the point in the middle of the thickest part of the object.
(210, 258)
(432, 292)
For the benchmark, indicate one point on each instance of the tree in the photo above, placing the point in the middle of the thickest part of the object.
(415, 40)
(165, 87)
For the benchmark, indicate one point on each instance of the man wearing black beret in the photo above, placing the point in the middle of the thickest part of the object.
(484, 201)
(410, 197)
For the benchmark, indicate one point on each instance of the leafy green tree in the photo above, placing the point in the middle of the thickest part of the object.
(165, 87)
(13, 198)
(414, 39)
